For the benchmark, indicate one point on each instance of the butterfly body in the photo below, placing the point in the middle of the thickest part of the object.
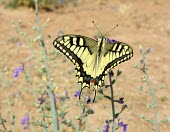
(92, 58)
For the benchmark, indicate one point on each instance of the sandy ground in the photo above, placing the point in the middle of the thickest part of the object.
(145, 23)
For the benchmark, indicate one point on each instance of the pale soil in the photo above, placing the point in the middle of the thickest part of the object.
(145, 23)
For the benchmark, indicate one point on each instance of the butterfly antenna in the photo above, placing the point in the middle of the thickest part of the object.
(111, 30)
(97, 28)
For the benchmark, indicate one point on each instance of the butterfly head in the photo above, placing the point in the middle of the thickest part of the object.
(102, 37)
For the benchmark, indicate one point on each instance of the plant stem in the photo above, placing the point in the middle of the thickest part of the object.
(112, 103)
(87, 125)
(152, 92)
(4, 83)
(49, 84)
(154, 103)
(82, 116)
(36, 99)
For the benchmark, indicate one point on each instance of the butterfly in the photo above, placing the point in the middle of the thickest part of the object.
(92, 58)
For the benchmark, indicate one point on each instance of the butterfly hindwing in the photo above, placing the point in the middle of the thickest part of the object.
(117, 52)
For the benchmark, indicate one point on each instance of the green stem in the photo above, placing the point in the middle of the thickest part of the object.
(152, 92)
(27, 40)
(82, 116)
(112, 103)
(87, 126)
(9, 103)
(36, 99)
(49, 84)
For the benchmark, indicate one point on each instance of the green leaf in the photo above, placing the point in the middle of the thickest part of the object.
(90, 111)
(148, 105)
(98, 130)
(116, 115)
(76, 117)
(100, 91)
(119, 72)
(140, 88)
(49, 36)
(50, 59)
(142, 116)
(135, 65)
(33, 28)
(162, 86)
(47, 116)
(165, 120)
(107, 97)
(39, 37)
(106, 86)
(113, 81)
(150, 121)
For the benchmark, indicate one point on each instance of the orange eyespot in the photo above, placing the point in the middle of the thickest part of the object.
(92, 81)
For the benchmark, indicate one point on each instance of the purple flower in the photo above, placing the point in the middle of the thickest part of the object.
(111, 73)
(77, 93)
(62, 1)
(62, 98)
(120, 124)
(31, 65)
(110, 40)
(88, 99)
(16, 72)
(121, 100)
(41, 100)
(106, 128)
(149, 50)
(113, 40)
(21, 68)
(25, 121)
(54, 98)
(59, 33)
(95, 37)
(20, 43)
(66, 95)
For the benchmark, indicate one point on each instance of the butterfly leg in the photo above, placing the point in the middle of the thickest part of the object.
(95, 91)
(81, 91)
(94, 95)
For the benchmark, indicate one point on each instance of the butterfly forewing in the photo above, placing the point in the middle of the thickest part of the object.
(79, 49)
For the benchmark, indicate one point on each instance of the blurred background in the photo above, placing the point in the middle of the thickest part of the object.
(141, 22)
